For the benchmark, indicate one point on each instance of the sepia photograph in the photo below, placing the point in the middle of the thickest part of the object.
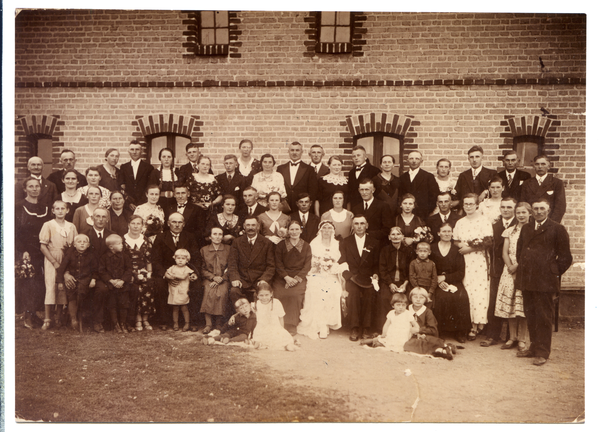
(335, 213)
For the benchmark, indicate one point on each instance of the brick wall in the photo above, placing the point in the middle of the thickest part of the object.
(457, 76)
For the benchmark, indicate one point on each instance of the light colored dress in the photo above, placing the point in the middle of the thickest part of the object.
(341, 221)
(509, 302)
(322, 310)
(104, 199)
(157, 222)
(57, 239)
(490, 209)
(178, 294)
(269, 331)
(265, 184)
(476, 279)
(398, 332)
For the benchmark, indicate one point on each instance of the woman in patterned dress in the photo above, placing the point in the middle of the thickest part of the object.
(93, 177)
(205, 191)
(473, 235)
(268, 180)
(139, 248)
(227, 221)
(329, 184)
(509, 302)
(152, 214)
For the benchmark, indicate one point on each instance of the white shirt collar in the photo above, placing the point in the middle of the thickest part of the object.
(135, 163)
(252, 239)
(541, 179)
(507, 223)
(360, 243)
(98, 233)
(36, 177)
(419, 312)
(369, 202)
(476, 172)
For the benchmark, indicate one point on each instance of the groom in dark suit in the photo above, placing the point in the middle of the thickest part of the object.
(362, 170)
(191, 212)
(445, 214)
(477, 179)
(251, 262)
(512, 178)
(136, 173)
(421, 184)
(298, 176)
(378, 214)
(545, 186)
(163, 249)
(361, 252)
(309, 222)
(543, 254)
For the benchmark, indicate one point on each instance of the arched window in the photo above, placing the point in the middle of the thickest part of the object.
(173, 141)
(378, 144)
(528, 147)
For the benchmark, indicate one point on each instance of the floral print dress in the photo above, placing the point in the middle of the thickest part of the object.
(140, 252)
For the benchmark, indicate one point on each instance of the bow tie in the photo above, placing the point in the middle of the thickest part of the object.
(294, 163)
(360, 168)
(180, 206)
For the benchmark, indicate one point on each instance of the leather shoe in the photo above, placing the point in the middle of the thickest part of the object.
(163, 327)
(526, 353)
(538, 361)
(460, 338)
(488, 342)
(194, 328)
(98, 328)
(354, 334)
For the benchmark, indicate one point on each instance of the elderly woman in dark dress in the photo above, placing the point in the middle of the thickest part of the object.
(451, 301)
(292, 262)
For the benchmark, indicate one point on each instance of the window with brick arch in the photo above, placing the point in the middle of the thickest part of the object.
(335, 33)
(173, 141)
(213, 33)
(528, 147)
(41, 146)
(378, 144)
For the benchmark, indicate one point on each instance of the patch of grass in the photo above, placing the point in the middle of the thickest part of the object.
(62, 376)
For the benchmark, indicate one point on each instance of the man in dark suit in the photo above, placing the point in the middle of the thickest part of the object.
(316, 160)
(251, 262)
(191, 213)
(163, 250)
(361, 252)
(232, 182)
(308, 221)
(192, 151)
(545, 185)
(543, 254)
(435, 222)
(48, 192)
(512, 178)
(298, 176)
(67, 160)
(378, 214)
(250, 207)
(507, 219)
(421, 184)
(474, 180)
(136, 173)
(97, 234)
(361, 170)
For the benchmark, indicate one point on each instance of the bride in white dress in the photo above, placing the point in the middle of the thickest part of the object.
(324, 286)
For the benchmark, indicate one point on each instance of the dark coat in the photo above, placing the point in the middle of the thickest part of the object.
(434, 222)
(368, 172)
(497, 264)
(323, 170)
(424, 188)
(234, 187)
(97, 247)
(243, 211)
(251, 265)
(465, 184)
(379, 217)
(543, 256)
(48, 193)
(163, 250)
(309, 232)
(192, 214)
(552, 189)
(56, 178)
(306, 181)
(361, 268)
(514, 191)
(136, 188)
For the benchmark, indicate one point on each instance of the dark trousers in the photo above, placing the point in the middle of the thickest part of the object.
(164, 313)
(361, 302)
(539, 310)
(196, 294)
(236, 293)
(99, 295)
(494, 326)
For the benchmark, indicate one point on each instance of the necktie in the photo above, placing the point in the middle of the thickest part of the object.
(228, 177)
(251, 243)
(509, 179)
(316, 169)
(100, 235)
(195, 168)
(537, 226)
(303, 219)
(444, 218)
(249, 211)
(175, 240)
(540, 181)
(366, 206)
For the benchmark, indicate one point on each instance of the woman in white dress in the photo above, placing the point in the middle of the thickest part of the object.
(268, 180)
(490, 207)
(324, 287)
(473, 235)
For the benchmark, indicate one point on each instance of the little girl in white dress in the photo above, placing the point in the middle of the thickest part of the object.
(269, 331)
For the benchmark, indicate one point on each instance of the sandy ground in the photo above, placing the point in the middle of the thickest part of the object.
(479, 385)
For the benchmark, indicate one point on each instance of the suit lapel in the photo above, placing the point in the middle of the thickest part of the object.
(301, 170)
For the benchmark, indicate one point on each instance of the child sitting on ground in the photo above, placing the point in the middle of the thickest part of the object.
(426, 340)
(398, 327)
(78, 271)
(116, 271)
(422, 271)
(179, 276)
(269, 331)
(238, 329)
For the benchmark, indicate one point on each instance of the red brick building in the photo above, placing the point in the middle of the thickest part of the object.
(438, 82)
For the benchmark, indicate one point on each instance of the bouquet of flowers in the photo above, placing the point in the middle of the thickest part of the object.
(423, 234)
(282, 232)
(324, 264)
(154, 226)
(480, 242)
(24, 269)
(142, 275)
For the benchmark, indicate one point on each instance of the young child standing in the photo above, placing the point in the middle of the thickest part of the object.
(238, 329)
(116, 271)
(269, 331)
(179, 277)
(426, 340)
(422, 271)
(82, 266)
(398, 328)
(55, 237)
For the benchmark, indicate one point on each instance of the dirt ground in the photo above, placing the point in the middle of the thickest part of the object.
(479, 385)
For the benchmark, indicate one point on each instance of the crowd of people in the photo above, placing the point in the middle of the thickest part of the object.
(263, 252)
